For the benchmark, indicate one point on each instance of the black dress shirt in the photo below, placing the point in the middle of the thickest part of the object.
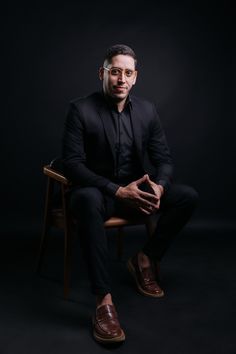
(127, 168)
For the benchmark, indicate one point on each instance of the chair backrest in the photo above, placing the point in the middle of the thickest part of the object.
(57, 164)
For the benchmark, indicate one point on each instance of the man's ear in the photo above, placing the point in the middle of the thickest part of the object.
(135, 77)
(101, 73)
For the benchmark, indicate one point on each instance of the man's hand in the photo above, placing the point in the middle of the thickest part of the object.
(146, 202)
(157, 189)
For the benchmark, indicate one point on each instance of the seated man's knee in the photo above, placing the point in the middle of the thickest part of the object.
(191, 195)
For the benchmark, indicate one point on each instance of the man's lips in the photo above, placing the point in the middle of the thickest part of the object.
(119, 88)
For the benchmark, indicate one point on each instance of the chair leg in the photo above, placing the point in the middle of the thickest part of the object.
(120, 243)
(66, 265)
(46, 223)
(67, 246)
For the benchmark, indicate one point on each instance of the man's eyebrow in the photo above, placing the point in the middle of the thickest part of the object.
(117, 67)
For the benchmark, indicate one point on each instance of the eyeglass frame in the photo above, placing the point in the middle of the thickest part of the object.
(120, 72)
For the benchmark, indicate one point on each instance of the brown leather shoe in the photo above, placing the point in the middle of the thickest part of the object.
(106, 326)
(145, 279)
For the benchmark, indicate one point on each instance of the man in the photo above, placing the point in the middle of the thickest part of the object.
(116, 155)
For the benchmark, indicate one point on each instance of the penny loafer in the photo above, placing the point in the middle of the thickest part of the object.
(145, 279)
(106, 326)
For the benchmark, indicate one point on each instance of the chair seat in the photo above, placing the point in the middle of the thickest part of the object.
(115, 221)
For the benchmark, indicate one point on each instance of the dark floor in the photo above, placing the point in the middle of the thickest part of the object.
(197, 315)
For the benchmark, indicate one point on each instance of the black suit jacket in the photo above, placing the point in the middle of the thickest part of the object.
(89, 143)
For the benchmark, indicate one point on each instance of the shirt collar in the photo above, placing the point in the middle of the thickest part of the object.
(111, 104)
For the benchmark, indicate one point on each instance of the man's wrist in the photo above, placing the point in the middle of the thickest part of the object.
(119, 192)
(111, 188)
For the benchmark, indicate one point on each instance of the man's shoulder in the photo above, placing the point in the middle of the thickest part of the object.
(142, 102)
(140, 99)
(90, 99)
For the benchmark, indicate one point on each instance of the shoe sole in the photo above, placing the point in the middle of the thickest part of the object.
(101, 339)
(143, 292)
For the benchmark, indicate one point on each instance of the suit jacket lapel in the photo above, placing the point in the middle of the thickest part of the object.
(108, 127)
(136, 119)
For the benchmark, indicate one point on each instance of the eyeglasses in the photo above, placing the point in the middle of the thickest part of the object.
(118, 72)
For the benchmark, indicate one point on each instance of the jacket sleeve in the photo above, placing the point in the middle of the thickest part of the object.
(74, 155)
(159, 153)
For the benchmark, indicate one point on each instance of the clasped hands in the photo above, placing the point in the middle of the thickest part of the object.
(148, 203)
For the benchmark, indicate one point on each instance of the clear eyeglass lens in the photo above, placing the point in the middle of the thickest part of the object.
(116, 72)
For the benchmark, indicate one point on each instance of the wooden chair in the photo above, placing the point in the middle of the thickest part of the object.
(60, 218)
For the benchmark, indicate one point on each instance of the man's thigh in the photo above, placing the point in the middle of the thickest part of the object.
(87, 199)
(179, 195)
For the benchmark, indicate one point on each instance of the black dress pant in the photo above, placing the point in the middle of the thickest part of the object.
(91, 207)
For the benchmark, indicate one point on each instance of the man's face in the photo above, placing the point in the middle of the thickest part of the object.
(118, 77)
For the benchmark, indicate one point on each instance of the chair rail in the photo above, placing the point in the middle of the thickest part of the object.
(50, 172)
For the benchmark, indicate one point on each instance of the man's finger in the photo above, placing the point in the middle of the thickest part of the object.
(146, 203)
(141, 180)
(148, 196)
(147, 212)
(148, 179)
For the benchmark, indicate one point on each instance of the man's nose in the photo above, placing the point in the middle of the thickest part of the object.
(121, 77)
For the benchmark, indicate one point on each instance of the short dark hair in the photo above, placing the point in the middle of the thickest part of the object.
(119, 49)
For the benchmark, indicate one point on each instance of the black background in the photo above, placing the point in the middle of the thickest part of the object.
(186, 63)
